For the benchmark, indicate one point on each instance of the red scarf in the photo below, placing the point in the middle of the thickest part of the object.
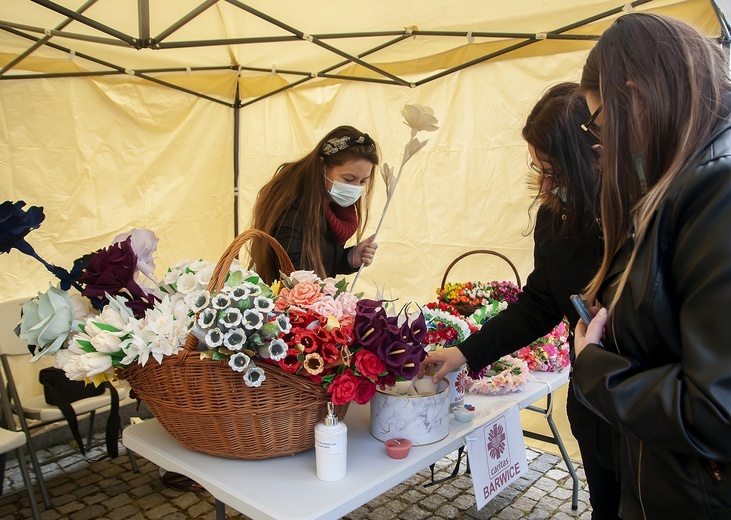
(343, 222)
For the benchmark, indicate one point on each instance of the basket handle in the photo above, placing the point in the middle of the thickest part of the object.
(218, 278)
(483, 252)
(224, 263)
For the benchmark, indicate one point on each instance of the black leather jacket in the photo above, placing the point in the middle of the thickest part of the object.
(664, 380)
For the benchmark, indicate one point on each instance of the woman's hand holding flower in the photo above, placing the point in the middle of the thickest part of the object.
(363, 253)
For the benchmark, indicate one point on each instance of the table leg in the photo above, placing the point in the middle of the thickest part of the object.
(433, 482)
(220, 510)
(556, 439)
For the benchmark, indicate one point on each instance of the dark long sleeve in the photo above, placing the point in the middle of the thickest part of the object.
(561, 267)
(290, 234)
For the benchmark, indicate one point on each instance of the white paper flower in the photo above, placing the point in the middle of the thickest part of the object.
(231, 318)
(254, 377)
(206, 318)
(277, 349)
(254, 289)
(186, 283)
(214, 338)
(419, 118)
(106, 342)
(234, 339)
(144, 244)
(283, 323)
(239, 362)
(220, 301)
(253, 319)
(263, 304)
(198, 300)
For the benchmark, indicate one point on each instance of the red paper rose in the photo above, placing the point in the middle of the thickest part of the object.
(343, 387)
(368, 364)
(365, 390)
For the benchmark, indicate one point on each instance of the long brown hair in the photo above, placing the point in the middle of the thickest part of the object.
(302, 183)
(661, 84)
(553, 128)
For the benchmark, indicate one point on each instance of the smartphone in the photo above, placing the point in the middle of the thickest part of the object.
(580, 307)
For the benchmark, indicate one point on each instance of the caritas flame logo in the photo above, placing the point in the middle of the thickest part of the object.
(496, 441)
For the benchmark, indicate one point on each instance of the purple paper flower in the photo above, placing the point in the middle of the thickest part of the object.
(15, 224)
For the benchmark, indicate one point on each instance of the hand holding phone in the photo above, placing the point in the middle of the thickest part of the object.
(584, 313)
(580, 307)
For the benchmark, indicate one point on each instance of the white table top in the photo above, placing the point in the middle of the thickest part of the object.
(288, 488)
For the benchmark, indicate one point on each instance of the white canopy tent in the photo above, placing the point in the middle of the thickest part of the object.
(171, 114)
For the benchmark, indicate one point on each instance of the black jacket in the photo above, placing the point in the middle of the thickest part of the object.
(561, 267)
(290, 235)
(664, 380)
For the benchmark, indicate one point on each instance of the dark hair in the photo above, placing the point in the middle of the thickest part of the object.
(553, 128)
(302, 183)
(662, 85)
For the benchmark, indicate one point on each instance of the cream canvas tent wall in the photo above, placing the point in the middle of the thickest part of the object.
(171, 114)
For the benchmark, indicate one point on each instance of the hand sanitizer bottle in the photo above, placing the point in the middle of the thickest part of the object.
(331, 447)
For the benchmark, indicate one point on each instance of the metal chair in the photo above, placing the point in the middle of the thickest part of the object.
(26, 393)
(12, 440)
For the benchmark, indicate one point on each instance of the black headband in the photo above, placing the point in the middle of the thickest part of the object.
(336, 144)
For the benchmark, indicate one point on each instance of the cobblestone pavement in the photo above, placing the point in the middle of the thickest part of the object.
(109, 489)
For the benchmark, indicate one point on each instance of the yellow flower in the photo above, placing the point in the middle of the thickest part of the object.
(332, 323)
(276, 287)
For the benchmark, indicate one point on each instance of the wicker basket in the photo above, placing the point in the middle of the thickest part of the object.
(207, 406)
(467, 309)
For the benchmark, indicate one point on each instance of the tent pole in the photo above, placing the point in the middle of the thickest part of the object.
(237, 116)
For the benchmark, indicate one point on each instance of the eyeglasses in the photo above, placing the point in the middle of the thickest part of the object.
(537, 169)
(590, 126)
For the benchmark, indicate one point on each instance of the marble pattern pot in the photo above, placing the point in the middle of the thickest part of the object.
(423, 419)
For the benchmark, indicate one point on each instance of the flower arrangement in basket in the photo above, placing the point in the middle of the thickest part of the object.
(212, 347)
(468, 297)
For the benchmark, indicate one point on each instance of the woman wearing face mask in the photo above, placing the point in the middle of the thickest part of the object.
(659, 90)
(313, 206)
(567, 252)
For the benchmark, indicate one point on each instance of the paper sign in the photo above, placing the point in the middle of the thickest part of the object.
(497, 455)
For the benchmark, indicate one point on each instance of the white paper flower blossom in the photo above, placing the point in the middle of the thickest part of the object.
(253, 319)
(277, 349)
(254, 377)
(231, 318)
(283, 323)
(239, 293)
(254, 290)
(220, 301)
(419, 118)
(234, 339)
(214, 338)
(239, 362)
(206, 318)
(199, 300)
(263, 304)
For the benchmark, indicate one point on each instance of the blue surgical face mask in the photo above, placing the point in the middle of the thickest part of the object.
(345, 194)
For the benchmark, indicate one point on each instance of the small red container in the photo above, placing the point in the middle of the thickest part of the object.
(397, 448)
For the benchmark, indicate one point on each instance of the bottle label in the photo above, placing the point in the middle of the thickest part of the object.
(329, 445)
